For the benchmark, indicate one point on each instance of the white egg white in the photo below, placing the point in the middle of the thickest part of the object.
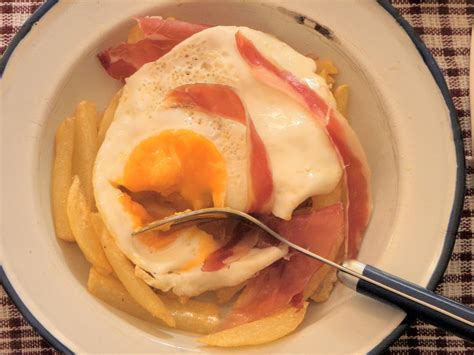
(302, 159)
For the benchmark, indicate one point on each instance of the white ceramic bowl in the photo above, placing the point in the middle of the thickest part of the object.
(399, 106)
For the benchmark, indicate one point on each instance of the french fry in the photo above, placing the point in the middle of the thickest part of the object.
(138, 289)
(81, 225)
(135, 34)
(341, 94)
(108, 116)
(325, 288)
(326, 69)
(327, 77)
(111, 291)
(62, 178)
(316, 281)
(260, 331)
(85, 147)
(98, 119)
(97, 223)
(326, 65)
(225, 294)
(196, 316)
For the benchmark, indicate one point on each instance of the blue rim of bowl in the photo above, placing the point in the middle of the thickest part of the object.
(454, 219)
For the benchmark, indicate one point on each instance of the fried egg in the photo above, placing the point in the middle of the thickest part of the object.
(157, 160)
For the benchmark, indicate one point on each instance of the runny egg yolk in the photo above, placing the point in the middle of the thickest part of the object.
(178, 161)
(175, 162)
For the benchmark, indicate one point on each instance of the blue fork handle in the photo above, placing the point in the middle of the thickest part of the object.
(450, 315)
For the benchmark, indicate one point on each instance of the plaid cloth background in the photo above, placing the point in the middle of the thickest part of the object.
(445, 27)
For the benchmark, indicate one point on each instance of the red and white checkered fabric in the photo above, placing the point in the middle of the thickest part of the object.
(445, 27)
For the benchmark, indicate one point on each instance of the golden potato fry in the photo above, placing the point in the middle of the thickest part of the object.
(111, 291)
(341, 94)
(316, 281)
(97, 223)
(325, 288)
(80, 221)
(325, 68)
(98, 119)
(326, 65)
(85, 147)
(197, 317)
(225, 294)
(193, 316)
(62, 178)
(335, 196)
(328, 77)
(138, 289)
(108, 116)
(135, 34)
(260, 331)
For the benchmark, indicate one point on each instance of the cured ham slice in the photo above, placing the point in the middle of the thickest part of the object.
(125, 59)
(222, 100)
(351, 154)
(260, 174)
(217, 99)
(159, 29)
(241, 241)
(283, 283)
(159, 37)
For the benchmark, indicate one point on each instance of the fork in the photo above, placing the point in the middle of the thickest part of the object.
(365, 279)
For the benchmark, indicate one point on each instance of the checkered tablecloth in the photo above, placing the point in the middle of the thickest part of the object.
(445, 27)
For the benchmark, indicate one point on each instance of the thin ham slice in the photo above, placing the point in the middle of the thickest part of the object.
(216, 99)
(261, 179)
(125, 59)
(160, 36)
(241, 241)
(283, 282)
(352, 156)
(157, 28)
(222, 100)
